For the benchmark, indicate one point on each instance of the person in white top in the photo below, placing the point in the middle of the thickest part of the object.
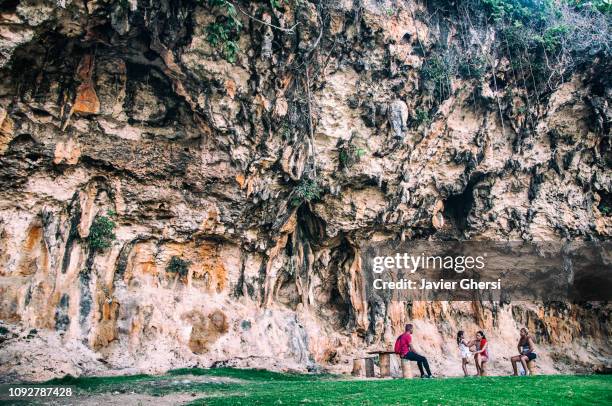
(464, 349)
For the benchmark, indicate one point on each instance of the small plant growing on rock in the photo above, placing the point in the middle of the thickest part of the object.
(102, 232)
(223, 33)
(421, 116)
(278, 4)
(178, 265)
(605, 207)
(349, 154)
(472, 67)
(306, 191)
(437, 73)
(553, 38)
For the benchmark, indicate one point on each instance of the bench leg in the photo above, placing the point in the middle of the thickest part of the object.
(385, 365)
(369, 367)
(358, 367)
(406, 369)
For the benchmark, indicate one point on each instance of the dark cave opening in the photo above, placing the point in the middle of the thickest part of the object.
(457, 207)
(8, 5)
(338, 303)
(605, 204)
(497, 83)
(312, 228)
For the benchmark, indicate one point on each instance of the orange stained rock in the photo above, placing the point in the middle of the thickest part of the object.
(85, 68)
(8, 304)
(138, 324)
(140, 262)
(107, 327)
(205, 330)
(211, 220)
(109, 309)
(106, 319)
(230, 88)
(67, 151)
(357, 293)
(240, 179)
(219, 321)
(86, 101)
(6, 123)
(41, 299)
(397, 315)
(210, 268)
(34, 253)
(270, 282)
(290, 224)
(6, 130)
(33, 238)
(262, 102)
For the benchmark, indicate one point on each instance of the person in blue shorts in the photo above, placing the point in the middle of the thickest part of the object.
(526, 349)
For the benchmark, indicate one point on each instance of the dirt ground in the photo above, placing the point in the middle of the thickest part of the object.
(125, 399)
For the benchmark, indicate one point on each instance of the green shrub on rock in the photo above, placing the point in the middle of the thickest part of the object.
(349, 154)
(223, 33)
(102, 232)
(178, 265)
(306, 191)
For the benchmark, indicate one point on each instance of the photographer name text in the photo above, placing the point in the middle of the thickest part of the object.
(425, 284)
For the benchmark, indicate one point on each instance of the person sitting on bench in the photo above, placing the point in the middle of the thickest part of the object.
(526, 350)
(403, 347)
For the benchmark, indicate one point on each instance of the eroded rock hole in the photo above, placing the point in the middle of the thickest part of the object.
(337, 305)
(457, 207)
(605, 203)
(8, 5)
(299, 251)
(311, 227)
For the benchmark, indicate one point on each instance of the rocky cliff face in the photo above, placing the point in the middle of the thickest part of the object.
(244, 152)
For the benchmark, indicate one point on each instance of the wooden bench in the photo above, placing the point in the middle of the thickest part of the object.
(384, 362)
(363, 366)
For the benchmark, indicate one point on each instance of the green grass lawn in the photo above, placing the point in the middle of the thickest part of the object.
(255, 387)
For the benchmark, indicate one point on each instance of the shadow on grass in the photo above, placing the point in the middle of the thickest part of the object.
(185, 380)
(252, 374)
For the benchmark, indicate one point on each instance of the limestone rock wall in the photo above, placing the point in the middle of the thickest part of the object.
(266, 174)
